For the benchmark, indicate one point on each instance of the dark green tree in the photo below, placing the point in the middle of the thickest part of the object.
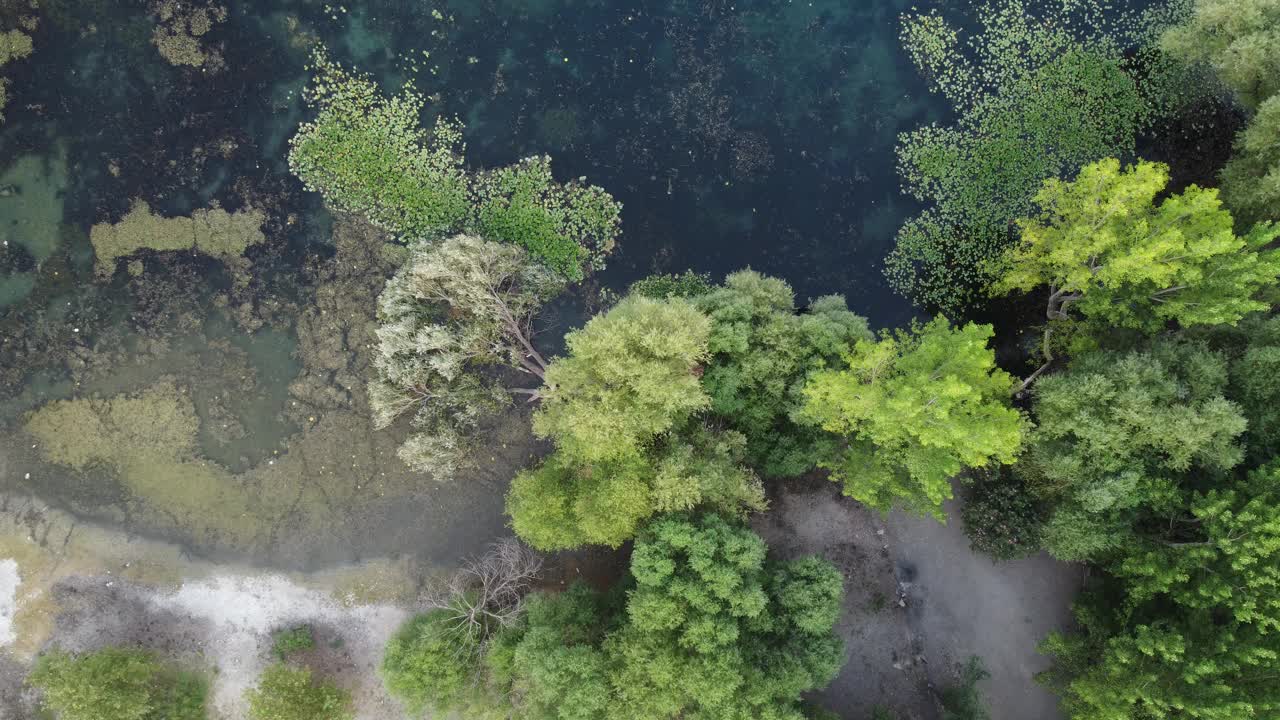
(762, 351)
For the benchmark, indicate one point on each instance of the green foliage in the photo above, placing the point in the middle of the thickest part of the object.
(1001, 518)
(1106, 249)
(1237, 39)
(1187, 626)
(1118, 434)
(117, 684)
(368, 154)
(631, 374)
(917, 408)
(285, 693)
(710, 631)
(1255, 385)
(564, 503)
(565, 226)
(1038, 94)
(762, 350)
(286, 642)
(431, 663)
(660, 287)
(454, 312)
(963, 700)
(1251, 180)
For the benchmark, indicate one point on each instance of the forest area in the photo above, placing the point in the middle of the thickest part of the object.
(689, 495)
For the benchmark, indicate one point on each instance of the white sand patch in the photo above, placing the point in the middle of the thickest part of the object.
(9, 580)
(243, 610)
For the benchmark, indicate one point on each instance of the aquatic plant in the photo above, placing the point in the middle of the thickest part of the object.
(214, 232)
(369, 154)
(180, 28)
(1037, 96)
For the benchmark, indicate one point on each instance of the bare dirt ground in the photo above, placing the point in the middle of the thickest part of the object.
(919, 601)
(962, 603)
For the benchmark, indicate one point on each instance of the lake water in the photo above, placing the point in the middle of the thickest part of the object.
(754, 133)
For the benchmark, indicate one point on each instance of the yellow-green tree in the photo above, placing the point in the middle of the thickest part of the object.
(1104, 249)
(630, 375)
(916, 408)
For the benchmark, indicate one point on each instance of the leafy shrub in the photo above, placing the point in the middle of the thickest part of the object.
(963, 700)
(285, 693)
(1001, 517)
(117, 684)
(292, 640)
(432, 661)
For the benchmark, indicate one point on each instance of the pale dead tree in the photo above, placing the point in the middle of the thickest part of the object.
(487, 592)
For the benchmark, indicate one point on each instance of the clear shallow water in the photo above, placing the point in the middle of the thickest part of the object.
(756, 133)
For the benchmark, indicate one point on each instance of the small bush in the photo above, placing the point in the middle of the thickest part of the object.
(285, 693)
(1000, 517)
(293, 640)
(963, 701)
(117, 684)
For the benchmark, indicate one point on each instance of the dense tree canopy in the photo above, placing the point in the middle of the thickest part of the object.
(1189, 625)
(1251, 180)
(1120, 437)
(457, 313)
(711, 630)
(762, 350)
(1238, 39)
(1106, 249)
(916, 408)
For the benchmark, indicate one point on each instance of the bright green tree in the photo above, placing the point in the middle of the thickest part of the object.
(762, 350)
(1188, 624)
(631, 374)
(1102, 247)
(117, 684)
(1118, 434)
(458, 311)
(287, 693)
(1038, 93)
(916, 408)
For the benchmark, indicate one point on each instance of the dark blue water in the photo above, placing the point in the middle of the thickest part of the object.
(753, 133)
